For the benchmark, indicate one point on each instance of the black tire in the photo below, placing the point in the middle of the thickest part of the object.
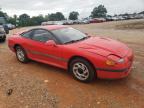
(4, 39)
(90, 75)
(20, 50)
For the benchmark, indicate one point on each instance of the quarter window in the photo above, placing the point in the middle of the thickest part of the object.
(26, 34)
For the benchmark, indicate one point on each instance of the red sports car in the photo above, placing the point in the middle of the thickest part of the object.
(84, 56)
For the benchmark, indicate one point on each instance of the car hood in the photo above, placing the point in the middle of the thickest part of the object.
(103, 46)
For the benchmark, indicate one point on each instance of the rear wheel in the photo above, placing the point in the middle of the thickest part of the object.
(21, 54)
(82, 70)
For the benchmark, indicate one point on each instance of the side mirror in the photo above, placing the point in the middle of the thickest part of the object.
(50, 43)
(87, 35)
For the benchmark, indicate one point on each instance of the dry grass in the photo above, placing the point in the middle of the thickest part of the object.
(132, 25)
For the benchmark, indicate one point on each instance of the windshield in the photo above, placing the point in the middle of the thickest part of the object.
(68, 35)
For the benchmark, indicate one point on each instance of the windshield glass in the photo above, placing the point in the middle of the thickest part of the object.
(67, 35)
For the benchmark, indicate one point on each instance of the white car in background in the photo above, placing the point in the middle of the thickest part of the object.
(85, 21)
(68, 22)
(52, 23)
(10, 26)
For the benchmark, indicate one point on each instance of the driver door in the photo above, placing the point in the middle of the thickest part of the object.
(40, 51)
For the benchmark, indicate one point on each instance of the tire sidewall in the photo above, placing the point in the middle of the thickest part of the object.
(88, 65)
(25, 55)
(3, 39)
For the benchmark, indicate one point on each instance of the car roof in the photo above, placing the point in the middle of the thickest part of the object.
(53, 27)
(48, 27)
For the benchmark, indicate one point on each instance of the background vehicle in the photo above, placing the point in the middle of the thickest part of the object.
(68, 22)
(52, 23)
(3, 23)
(10, 26)
(85, 21)
(2, 34)
(97, 20)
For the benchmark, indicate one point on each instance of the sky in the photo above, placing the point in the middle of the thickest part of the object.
(84, 7)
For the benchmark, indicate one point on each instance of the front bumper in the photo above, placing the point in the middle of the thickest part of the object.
(119, 72)
(113, 74)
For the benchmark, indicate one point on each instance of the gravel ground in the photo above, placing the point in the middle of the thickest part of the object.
(19, 89)
(37, 85)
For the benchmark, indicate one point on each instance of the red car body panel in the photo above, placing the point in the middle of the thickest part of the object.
(94, 49)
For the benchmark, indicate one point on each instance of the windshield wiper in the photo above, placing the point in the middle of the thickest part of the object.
(83, 38)
(72, 41)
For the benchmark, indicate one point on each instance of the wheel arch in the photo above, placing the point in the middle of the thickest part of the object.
(16, 46)
(26, 56)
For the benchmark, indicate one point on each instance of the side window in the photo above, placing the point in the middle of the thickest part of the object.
(26, 34)
(41, 35)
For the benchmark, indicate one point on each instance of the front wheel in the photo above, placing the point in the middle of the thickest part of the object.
(82, 70)
(4, 39)
(21, 54)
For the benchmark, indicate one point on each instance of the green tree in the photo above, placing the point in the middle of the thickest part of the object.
(13, 20)
(37, 20)
(4, 15)
(73, 15)
(52, 17)
(46, 17)
(99, 12)
(58, 16)
(24, 20)
(16, 19)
